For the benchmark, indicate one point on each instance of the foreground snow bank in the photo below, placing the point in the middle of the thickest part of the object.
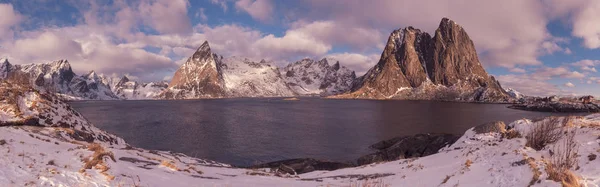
(45, 143)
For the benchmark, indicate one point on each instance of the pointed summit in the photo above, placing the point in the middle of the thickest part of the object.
(123, 80)
(199, 77)
(445, 66)
(204, 47)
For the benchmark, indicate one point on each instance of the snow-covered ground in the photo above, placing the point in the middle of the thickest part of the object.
(43, 142)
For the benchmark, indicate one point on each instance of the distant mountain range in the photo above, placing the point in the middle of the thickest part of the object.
(413, 65)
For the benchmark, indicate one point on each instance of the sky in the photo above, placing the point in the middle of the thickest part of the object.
(538, 47)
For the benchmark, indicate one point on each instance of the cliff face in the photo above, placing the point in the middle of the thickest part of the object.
(415, 65)
(198, 77)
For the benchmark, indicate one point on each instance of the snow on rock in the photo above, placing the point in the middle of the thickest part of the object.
(310, 77)
(208, 75)
(58, 77)
(128, 89)
(246, 78)
(514, 93)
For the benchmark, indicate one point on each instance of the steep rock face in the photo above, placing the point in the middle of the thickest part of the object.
(309, 77)
(199, 77)
(91, 86)
(414, 65)
(5, 68)
(386, 78)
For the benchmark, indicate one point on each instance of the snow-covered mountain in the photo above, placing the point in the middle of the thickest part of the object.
(246, 78)
(309, 77)
(514, 93)
(208, 75)
(58, 77)
(128, 89)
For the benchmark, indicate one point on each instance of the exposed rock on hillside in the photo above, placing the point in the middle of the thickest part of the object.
(207, 75)
(415, 65)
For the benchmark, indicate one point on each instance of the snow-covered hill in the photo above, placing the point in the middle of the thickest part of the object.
(309, 77)
(43, 142)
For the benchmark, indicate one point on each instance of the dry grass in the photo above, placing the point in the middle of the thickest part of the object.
(169, 164)
(536, 171)
(547, 131)
(369, 183)
(468, 163)
(512, 133)
(97, 160)
(563, 160)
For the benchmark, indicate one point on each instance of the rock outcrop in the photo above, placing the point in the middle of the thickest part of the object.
(199, 77)
(558, 106)
(303, 165)
(408, 147)
(415, 65)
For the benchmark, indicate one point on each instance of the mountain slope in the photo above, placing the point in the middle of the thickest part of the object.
(58, 77)
(207, 75)
(310, 77)
(245, 78)
(414, 65)
(128, 89)
(199, 77)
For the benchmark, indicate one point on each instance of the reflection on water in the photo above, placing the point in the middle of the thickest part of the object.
(248, 131)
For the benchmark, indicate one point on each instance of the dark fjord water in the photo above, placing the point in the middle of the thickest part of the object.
(249, 131)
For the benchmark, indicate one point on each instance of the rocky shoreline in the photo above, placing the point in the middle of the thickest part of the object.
(548, 105)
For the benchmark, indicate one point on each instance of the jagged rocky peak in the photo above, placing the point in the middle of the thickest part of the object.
(414, 59)
(310, 77)
(455, 56)
(199, 77)
(123, 80)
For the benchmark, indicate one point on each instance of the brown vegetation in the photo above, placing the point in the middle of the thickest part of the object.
(563, 160)
(547, 131)
(97, 160)
(369, 183)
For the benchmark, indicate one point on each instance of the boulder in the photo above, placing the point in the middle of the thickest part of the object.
(497, 127)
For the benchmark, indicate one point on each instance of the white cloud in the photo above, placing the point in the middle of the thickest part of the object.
(517, 70)
(8, 19)
(587, 65)
(546, 73)
(200, 13)
(85, 52)
(166, 16)
(222, 3)
(334, 33)
(570, 85)
(498, 29)
(261, 10)
(530, 85)
(357, 62)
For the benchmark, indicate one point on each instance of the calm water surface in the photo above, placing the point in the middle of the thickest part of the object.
(249, 131)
